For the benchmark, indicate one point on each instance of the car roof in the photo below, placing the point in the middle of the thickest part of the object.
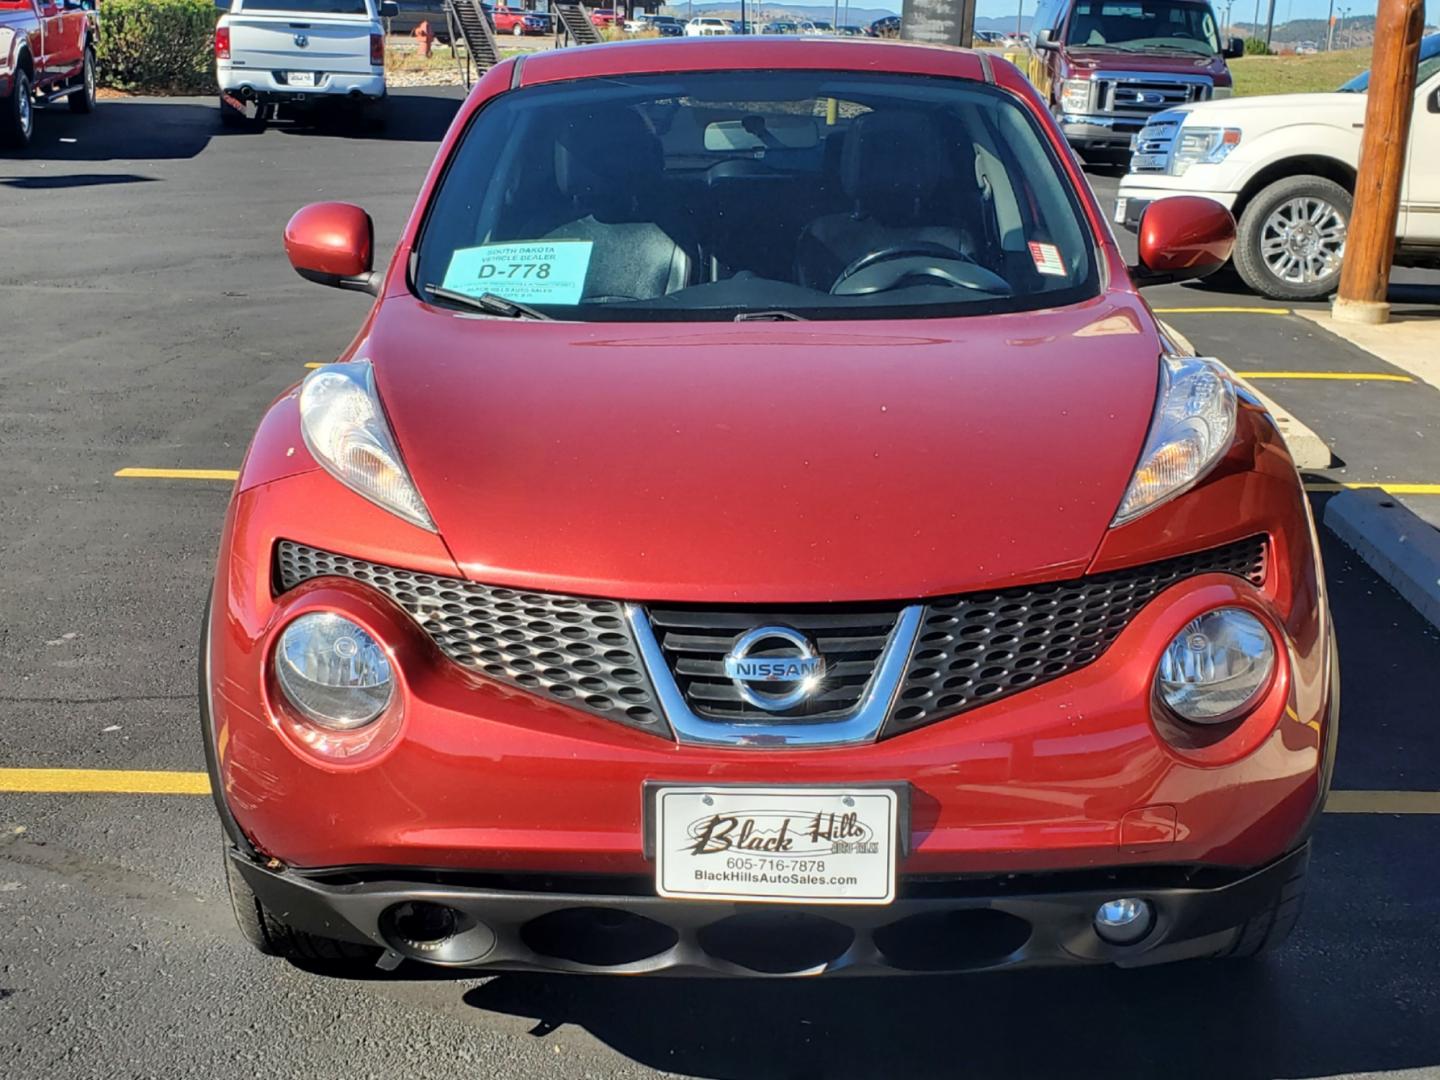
(749, 52)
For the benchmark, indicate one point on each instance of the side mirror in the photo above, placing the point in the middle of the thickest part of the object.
(332, 243)
(1234, 48)
(1182, 238)
(389, 9)
(1045, 42)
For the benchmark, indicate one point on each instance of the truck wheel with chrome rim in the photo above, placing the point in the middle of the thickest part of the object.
(1291, 238)
(83, 98)
(17, 113)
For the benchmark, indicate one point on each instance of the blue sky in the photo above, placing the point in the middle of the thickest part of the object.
(1284, 9)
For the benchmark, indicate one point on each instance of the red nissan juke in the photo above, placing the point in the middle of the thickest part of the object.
(760, 530)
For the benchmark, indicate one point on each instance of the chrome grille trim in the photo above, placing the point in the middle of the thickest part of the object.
(1140, 93)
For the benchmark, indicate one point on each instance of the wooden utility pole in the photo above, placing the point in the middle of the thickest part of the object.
(1370, 246)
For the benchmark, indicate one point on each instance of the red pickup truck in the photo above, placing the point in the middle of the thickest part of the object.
(47, 51)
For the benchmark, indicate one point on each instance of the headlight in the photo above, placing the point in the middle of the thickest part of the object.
(1202, 146)
(1193, 426)
(331, 670)
(344, 427)
(1075, 95)
(1216, 667)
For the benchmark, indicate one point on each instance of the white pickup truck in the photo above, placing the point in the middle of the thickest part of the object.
(1285, 166)
(300, 54)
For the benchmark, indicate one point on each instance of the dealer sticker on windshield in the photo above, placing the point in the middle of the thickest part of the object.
(532, 272)
(778, 845)
(1047, 259)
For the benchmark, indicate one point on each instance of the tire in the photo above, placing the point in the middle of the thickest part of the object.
(83, 99)
(273, 937)
(518, 30)
(17, 113)
(1298, 224)
(1264, 933)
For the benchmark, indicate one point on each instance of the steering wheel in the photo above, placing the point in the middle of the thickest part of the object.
(983, 280)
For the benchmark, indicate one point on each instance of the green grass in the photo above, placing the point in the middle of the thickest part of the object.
(1296, 74)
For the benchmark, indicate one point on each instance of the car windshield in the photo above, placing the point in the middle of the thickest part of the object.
(1144, 26)
(777, 194)
(310, 7)
(1429, 65)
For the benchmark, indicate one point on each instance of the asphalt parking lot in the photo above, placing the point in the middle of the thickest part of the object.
(150, 316)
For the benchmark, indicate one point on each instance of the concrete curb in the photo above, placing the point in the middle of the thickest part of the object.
(1398, 545)
(1307, 449)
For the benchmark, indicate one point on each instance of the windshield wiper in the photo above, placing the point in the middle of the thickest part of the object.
(769, 316)
(488, 303)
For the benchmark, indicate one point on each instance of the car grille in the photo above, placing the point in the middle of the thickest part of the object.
(971, 649)
(1127, 95)
(981, 647)
(695, 642)
(1153, 145)
(572, 649)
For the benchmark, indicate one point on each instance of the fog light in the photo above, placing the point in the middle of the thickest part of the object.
(1217, 666)
(332, 671)
(1124, 921)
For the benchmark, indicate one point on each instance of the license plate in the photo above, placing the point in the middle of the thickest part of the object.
(1120, 205)
(300, 78)
(776, 845)
(1147, 163)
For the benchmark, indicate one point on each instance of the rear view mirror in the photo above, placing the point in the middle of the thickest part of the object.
(1235, 48)
(389, 9)
(332, 243)
(1183, 238)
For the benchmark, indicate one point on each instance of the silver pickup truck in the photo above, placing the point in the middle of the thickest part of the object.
(298, 54)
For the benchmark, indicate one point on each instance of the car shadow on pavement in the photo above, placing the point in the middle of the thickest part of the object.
(1201, 1020)
(127, 129)
(409, 117)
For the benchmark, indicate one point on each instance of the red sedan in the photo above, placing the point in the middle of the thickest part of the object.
(759, 528)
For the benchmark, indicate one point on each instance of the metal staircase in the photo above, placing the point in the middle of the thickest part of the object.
(469, 21)
(575, 24)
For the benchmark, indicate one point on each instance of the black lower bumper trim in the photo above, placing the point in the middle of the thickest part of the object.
(927, 929)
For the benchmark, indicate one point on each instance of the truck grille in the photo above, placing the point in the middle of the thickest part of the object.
(695, 642)
(1153, 146)
(1138, 95)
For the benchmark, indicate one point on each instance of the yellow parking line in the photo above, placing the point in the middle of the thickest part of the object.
(154, 782)
(177, 474)
(1383, 802)
(1389, 489)
(115, 781)
(1337, 376)
(1221, 310)
(314, 364)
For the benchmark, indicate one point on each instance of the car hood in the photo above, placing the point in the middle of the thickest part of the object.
(1084, 60)
(1330, 108)
(769, 462)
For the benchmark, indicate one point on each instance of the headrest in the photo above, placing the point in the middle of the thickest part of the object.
(606, 159)
(890, 158)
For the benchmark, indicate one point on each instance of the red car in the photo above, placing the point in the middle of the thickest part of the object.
(602, 17)
(47, 52)
(757, 538)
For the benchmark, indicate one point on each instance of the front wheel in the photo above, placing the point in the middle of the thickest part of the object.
(518, 30)
(82, 100)
(1291, 238)
(17, 113)
(271, 935)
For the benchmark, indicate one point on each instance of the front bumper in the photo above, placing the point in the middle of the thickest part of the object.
(617, 925)
(272, 87)
(1086, 131)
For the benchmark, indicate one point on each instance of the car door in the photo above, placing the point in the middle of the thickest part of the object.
(1420, 195)
(62, 49)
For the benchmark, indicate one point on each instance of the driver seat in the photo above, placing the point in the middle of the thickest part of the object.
(892, 169)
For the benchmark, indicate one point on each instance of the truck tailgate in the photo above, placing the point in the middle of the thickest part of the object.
(269, 42)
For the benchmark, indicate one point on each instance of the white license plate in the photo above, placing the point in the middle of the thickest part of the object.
(1147, 163)
(300, 78)
(776, 845)
(1120, 205)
